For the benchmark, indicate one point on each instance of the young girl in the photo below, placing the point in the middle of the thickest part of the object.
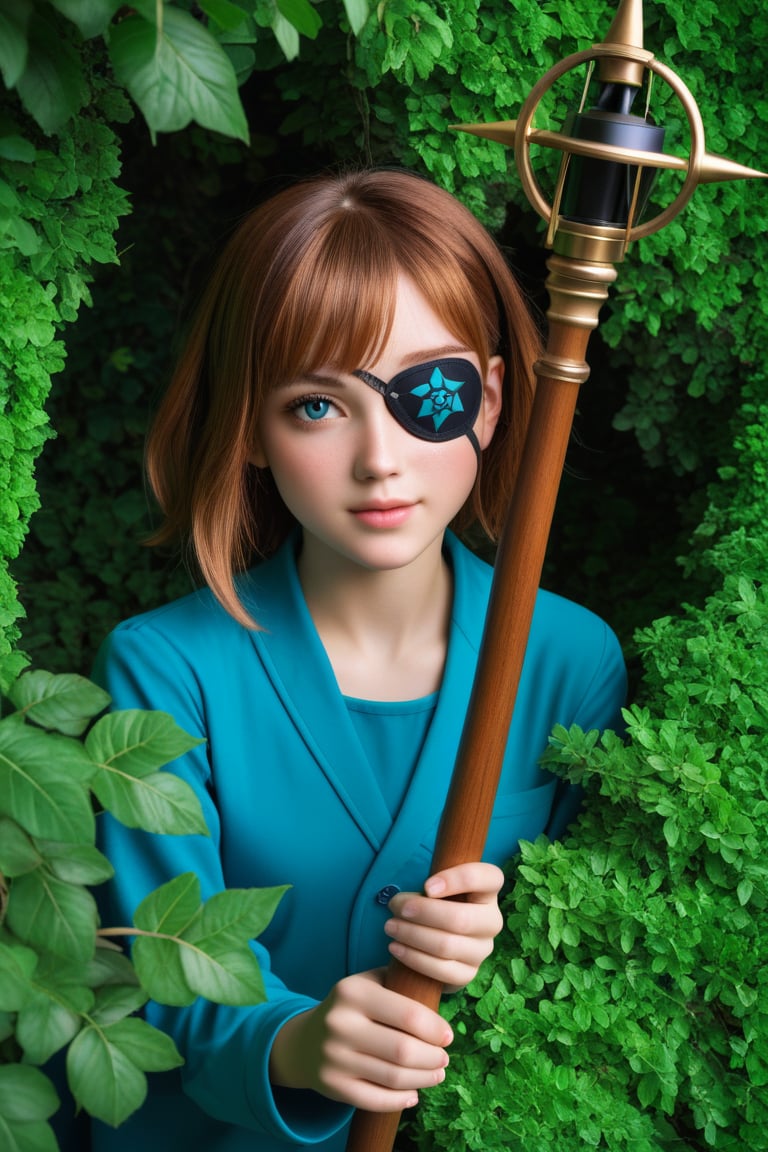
(355, 389)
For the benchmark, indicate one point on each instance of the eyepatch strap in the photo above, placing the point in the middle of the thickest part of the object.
(438, 400)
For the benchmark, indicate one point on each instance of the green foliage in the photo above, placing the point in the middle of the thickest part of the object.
(177, 67)
(59, 208)
(84, 567)
(62, 983)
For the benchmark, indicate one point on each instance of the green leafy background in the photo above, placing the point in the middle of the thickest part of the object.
(603, 1015)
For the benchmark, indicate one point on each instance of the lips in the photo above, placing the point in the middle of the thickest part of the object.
(383, 513)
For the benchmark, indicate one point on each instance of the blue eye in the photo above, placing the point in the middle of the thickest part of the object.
(315, 409)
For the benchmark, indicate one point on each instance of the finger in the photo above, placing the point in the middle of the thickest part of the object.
(457, 917)
(395, 1061)
(439, 944)
(369, 1096)
(366, 1001)
(478, 882)
(449, 973)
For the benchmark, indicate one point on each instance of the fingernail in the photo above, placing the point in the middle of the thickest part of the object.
(397, 950)
(412, 1101)
(434, 886)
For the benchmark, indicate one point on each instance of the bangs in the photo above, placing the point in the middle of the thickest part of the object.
(338, 306)
(331, 292)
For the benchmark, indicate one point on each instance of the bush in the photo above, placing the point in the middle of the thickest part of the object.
(63, 984)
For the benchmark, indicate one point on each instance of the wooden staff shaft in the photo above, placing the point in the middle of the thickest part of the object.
(520, 559)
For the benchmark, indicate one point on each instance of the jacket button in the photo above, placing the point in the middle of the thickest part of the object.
(385, 894)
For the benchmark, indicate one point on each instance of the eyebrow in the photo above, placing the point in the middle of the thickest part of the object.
(421, 357)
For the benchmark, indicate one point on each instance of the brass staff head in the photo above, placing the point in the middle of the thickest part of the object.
(609, 156)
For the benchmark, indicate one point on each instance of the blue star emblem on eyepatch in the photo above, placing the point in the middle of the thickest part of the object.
(440, 398)
(425, 399)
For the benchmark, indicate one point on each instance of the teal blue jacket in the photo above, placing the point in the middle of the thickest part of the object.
(290, 798)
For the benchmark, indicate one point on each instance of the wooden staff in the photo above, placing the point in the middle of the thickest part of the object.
(580, 273)
(464, 825)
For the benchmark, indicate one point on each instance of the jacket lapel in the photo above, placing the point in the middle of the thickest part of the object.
(296, 663)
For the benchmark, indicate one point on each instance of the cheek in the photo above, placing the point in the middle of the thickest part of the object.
(299, 465)
(453, 465)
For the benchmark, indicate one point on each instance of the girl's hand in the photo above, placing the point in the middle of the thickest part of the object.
(443, 938)
(364, 1045)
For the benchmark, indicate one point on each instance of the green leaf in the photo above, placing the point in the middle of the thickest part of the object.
(14, 22)
(20, 234)
(228, 16)
(129, 746)
(27, 1099)
(210, 955)
(224, 974)
(17, 964)
(235, 915)
(76, 863)
(136, 742)
(105, 1067)
(53, 916)
(17, 148)
(158, 966)
(52, 86)
(17, 852)
(66, 703)
(744, 891)
(26, 1094)
(102, 1078)
(172, 907)
(177, 74)
(286, 35)
(160, 802)
(44, 1026)
(357, 14)
(116, 1002)
(40, 783)
(92, 17)
(108, 965)
(147, 1047)
(34, 1136)
(304, 17)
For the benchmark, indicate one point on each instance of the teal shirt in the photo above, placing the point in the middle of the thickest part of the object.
(291, 797)
(392, 735)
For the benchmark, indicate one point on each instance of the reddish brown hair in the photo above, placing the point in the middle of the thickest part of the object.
(308, 280)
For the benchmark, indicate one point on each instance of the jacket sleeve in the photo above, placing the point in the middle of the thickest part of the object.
(226, 1050)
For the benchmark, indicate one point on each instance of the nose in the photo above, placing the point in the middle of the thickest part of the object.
(380, 443)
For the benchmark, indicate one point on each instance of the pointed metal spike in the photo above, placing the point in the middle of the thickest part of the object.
(625, 39)
(627, 26)
(502, 131)
(715, 168)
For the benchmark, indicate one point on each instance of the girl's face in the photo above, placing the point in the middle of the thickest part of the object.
(365, 490)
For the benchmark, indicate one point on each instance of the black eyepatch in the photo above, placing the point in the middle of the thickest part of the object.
(438, 400)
